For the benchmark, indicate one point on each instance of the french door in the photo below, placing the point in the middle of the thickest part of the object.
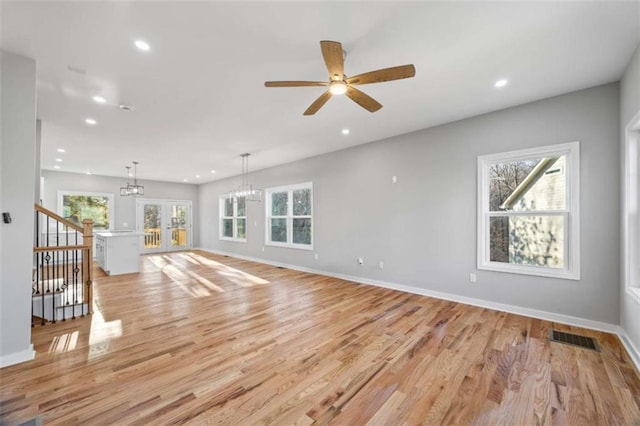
(165, 225)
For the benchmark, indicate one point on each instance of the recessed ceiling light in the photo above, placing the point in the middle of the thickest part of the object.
(88, 173)
(130, 174)
(99, 99)
(185, 180)
(59, 160)
(56, 167)
(213, 171)
(143, 45)
(90, 121)
(345, 131)
(197, 176)
(60, 150)
(501, 83)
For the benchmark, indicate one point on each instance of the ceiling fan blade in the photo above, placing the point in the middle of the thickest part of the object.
(318, 103)
(333, 58)
(386, 74)
(294, 83)
(362, 99)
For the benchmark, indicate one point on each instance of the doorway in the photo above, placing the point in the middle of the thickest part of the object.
(165, 225)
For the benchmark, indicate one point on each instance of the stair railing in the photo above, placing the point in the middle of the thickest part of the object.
(63, 257)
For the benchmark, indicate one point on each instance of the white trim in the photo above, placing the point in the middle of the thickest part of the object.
(234, 218)
(606, 327)
(289, 217)
(630, 226)
(17, 357)
(633, 352)
(571, 268)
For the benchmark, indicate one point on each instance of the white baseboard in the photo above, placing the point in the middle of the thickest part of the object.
(527, 312)
(17, 357)
(633, 352)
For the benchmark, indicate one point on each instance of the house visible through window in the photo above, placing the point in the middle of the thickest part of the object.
(289, 216)
(528, 218)
(233, 218)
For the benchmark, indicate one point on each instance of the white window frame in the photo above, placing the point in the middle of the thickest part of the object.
(235, 217)
(631, 208)
(107, 195)
(571, 214)
(289, 217)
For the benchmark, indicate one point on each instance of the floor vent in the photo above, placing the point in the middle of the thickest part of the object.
(281, 267)
(574, 340)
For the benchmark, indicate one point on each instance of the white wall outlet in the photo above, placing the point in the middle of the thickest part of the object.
(125, 224)
(316, 256)
(255, 223)
(381, 265)
(262, 248)
(394, 179)
(360, 261)
(473, 278)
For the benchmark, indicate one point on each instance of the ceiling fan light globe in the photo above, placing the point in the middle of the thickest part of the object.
(338, 87)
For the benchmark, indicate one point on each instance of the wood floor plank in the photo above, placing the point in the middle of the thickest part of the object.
(198, 338)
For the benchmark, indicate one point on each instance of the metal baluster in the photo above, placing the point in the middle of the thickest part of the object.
(75, 280)
(64, 285)
(42, 292)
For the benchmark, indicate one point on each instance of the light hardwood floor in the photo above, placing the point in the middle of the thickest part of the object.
(204, 339)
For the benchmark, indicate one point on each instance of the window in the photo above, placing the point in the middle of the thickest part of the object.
(77, 206)
(289, 216)
(631, 205)
(233, 218)
(528, 211)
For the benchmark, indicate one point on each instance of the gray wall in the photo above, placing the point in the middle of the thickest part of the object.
(424, 227)
(629, 107)
(17, 191)
(125, 207)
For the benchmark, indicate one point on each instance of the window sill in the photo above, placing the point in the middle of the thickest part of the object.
(531, 270)
(233, 240)
(634, 292)
(287, 245)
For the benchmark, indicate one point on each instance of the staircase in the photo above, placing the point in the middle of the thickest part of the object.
(62, 259)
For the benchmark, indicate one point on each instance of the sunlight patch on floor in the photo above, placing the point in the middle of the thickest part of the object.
(236, 276)
(64, 343)
(101, 332)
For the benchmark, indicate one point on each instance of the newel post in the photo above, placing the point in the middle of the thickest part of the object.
(87, 241)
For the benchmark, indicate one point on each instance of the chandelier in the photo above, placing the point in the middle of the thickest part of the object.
(135, 189)
(245, 189)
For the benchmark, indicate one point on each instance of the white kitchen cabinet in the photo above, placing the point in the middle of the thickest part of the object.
(118, 252)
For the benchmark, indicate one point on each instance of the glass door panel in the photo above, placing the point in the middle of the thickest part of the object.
(178, 225)
(165, 225)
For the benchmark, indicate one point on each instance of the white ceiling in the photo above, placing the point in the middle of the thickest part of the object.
(198, 94)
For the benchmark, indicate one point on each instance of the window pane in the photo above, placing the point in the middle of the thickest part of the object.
(152, 228)
(279, 230)
(302, 202)
(242, 226)
(227, 228)
(528, 240)
(279, 203)
(242, 206)
(76, 208)
(301, 231)
(537, 184)
(228, 207)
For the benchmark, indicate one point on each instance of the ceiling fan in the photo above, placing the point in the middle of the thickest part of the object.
(340, 84)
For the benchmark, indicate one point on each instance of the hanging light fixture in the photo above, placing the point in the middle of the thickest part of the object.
(135, 189)
(246, 189)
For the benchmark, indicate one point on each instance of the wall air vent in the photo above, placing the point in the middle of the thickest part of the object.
(574, 340)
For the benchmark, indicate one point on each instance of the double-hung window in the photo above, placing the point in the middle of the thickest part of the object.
(528, 211)
(289, 216)
(233, 218)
